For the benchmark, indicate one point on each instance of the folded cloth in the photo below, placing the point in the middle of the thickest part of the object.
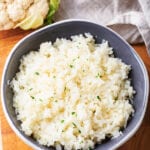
(130, 18)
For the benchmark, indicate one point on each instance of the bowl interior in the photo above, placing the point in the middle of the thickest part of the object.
(65, 30)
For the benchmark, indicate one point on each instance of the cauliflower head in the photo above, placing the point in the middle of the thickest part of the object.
(26, 14)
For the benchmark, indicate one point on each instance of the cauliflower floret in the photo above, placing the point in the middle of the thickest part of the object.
(15, 12)
(26, 14)
(22, 13)
(40, 5)
(5, 22)
(8, 26)
(25, 3)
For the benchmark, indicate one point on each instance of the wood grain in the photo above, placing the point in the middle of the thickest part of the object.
(140, 141)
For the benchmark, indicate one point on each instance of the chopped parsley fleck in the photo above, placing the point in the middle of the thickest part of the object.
(83, 70)
(116, 98)
(71, 66)
(56, 101)
(32, 97)
(51, 98)
(73, 113)
(74, 59)
(30, 89)
(40, 100)
(21, 87)
(94, 111)
(74, 125)
(63, 131)
(37, 73)
(54, 77)
(65, 88)
(81, 142)
(62, 121)
(98, 75)
(79, 131)
(98, 98)
(89, 148)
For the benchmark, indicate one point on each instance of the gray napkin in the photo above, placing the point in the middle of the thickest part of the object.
(130, 18)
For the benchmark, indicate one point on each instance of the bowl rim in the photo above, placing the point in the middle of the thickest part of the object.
(146, 95)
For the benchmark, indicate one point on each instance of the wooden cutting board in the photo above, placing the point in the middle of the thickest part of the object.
(8, 139)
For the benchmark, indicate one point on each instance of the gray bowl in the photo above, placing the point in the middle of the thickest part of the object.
(66, 29)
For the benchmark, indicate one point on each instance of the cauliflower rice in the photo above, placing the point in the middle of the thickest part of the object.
(72, 93)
